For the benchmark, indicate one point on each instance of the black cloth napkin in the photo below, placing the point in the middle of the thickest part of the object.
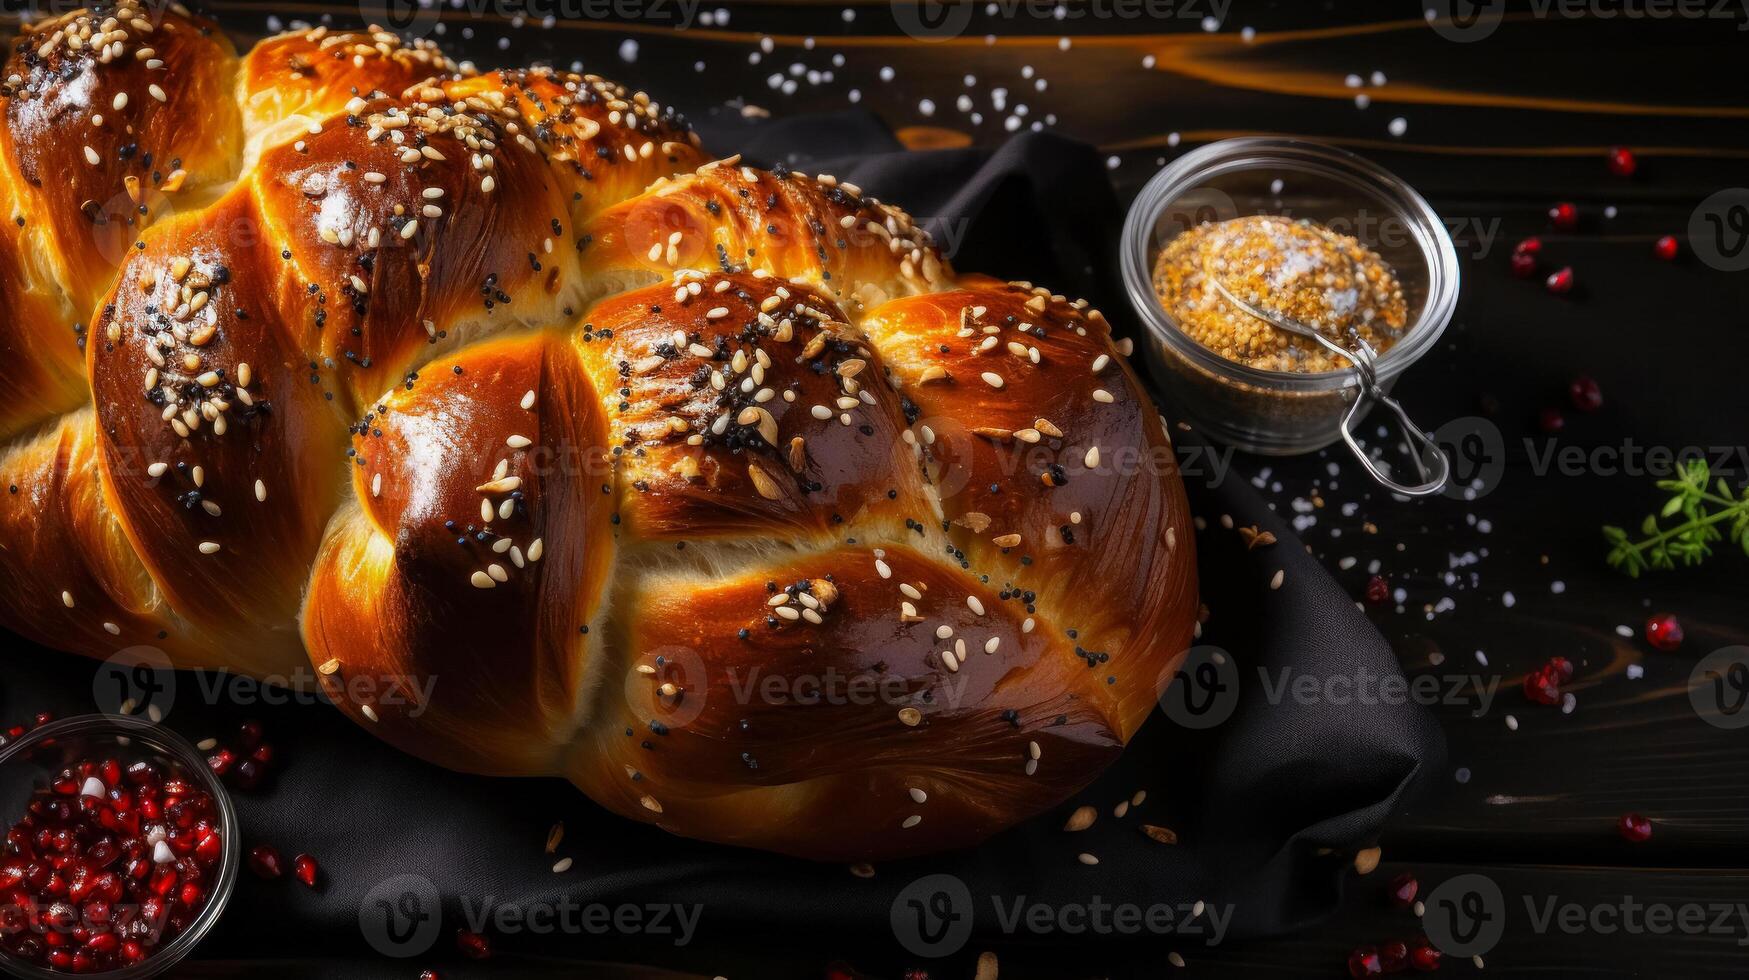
(1267, 804)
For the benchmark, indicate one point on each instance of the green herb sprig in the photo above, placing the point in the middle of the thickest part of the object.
(1708, 515)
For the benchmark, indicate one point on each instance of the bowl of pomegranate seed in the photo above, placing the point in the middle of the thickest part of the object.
(121, 849)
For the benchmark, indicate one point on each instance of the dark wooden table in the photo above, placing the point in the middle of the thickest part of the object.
(1504, 117)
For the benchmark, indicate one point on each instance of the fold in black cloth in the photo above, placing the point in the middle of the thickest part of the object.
(1252, 799)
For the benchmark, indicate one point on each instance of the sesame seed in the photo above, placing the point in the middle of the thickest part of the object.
(883, 568)
(67, 598)
(157, 469)
(528, 400)
(919, 795)
(561, 866)
(992, 379)
(209, 547)
(260, 491)
(91, 157)
(1086, 858)
(1103, 396)
(518, 442)
(1276, 580)
(975, 604)
(481, 580)
(368, 712)
(157, 93)
(912, 821)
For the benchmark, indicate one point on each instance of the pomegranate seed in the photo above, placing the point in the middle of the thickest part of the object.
(248, 735)
(1543, 686)
(1584, 393)
(1664, 632)
(1667, 248)
(1394, 956)
(1560, 282)
(306, 869)
(473, 945)
(1562, 667)
(264, 861)
(209, 849)
(220, 762)
(1634, 828)
(1622, 162)
(1550, 420)
(1523, 265)
(1403, 889)
(1377, 590)
(1424, 956)
(1530, 246)
(429, 975)
(1364, 962)
(1564, 216)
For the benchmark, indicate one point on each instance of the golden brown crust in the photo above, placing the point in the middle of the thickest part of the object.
(742, 402)
(730, 217)
(605, 143)
(292, 80)
(747, 548)
(67, 570)
(42, 365)
(809, 734)
(219, 454)
(107, 113)
(1053, 467)
(444, 610)
(415, 230)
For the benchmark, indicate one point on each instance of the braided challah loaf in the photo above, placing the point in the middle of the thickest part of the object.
(557, 448)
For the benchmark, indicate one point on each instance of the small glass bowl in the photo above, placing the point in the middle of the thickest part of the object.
(1275, 412)
(29, 762)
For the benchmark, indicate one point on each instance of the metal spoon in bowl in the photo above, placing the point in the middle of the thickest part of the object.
(1422, 448)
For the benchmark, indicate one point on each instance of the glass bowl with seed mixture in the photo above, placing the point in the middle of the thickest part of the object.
(1236, 378)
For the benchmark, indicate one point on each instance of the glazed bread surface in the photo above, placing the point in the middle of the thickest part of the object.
(546, 444)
